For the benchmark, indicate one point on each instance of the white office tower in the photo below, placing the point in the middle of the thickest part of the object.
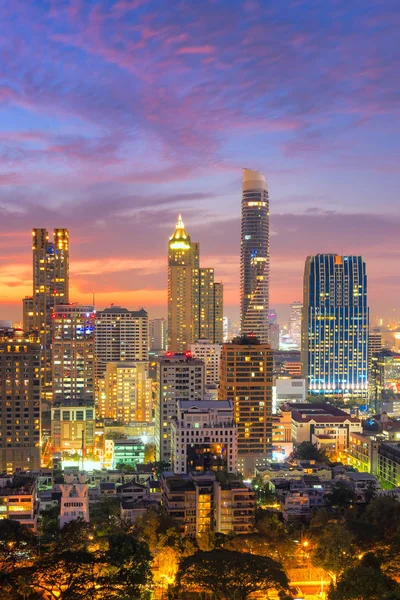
(210, 354)
(296, 309)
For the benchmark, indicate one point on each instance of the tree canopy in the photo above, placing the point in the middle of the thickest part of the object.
(231, 575)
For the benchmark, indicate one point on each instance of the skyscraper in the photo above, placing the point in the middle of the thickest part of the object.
(296, 309)
(335, 326)
(274, 329)
(121, 334)
(158, 334)
(195, 300)
(254, 256)
(19, 402)
(73, 352)
(246, 379)
(50, 288)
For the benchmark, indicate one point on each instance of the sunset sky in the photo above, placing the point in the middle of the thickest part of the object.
(117, 115)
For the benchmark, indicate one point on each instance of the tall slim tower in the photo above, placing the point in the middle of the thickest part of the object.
(335, 327)
(254, 256)
(296, 309)
(195, 301)
(50, 288)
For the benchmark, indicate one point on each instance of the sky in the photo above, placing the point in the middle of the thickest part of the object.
(116, 115)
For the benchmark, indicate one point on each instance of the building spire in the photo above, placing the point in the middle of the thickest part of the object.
(180, 232)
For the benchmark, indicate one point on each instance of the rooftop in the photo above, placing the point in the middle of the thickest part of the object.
(118, 310)
(205, 405)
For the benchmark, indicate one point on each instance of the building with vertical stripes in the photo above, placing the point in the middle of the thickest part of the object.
(335, 327)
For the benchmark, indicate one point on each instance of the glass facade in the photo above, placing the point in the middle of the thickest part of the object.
(254, 256)
(335, 326)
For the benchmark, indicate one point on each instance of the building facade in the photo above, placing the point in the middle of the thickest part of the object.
(158, 335)
(20, 402)
(246, 380)
(195, 300)
(73, 348)
(335, 327)
(121, 334)
(128, 392)
(204, 437)
(179, 377)
(73, 426)
(50, 288)
(254, 257)
(388, 469)
(210, 354)
(74, 502)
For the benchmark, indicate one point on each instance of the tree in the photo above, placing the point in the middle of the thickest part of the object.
(18, 550)
(365, 581)
(231, 575)
(341, 496)
(128, 567)
(309, 451)
(334, 551)
(152, 525)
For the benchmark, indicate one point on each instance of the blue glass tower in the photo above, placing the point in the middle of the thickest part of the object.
(335, 326)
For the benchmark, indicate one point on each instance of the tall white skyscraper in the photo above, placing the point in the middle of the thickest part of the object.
(254, 256)
(296, 309)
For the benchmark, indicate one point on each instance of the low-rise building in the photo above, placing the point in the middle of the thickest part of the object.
(322, 419)
(204, 437)
(130, 452)
(363, 451)
(388, 469)
(74, 499)
(18, 501)
(200, 504)
(73, 425)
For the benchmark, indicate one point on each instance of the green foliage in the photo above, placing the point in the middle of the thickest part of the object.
(341, 496)
(264, 495)
(154, 524)
(335, 550)
(127, 467)
(365, 581)
(309, 451)
(230, 575)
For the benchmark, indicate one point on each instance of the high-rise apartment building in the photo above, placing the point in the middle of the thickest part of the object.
(335, 327)
(20, 410)
(73, 352)
(121, 334)
(210, 354)
(158, 335)
(179, 377)
(50, 288)
(296, 310)
(254, 256)
(273, 329)
(28, 314)
(128, 392)
(246, 380)
(195, 300)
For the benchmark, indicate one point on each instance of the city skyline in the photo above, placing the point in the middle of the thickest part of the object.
(166, 122)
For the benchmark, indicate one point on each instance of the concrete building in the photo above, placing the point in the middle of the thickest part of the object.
(335, 327)
(199, 504)
(73, 349)
(179, 377)
(254, 257)
(73, 426)
(282, 444)
(50, 288)
(28, 314)
(363, 451)
(20, 401)
(288, 389)
(128, 392)
(204, 437)
(158, 335)
(246, 380)
(210, 354)
(74, 499)
(388, 469)
(310, 420)
(130, 452)
(18, 500)
(121, 334)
